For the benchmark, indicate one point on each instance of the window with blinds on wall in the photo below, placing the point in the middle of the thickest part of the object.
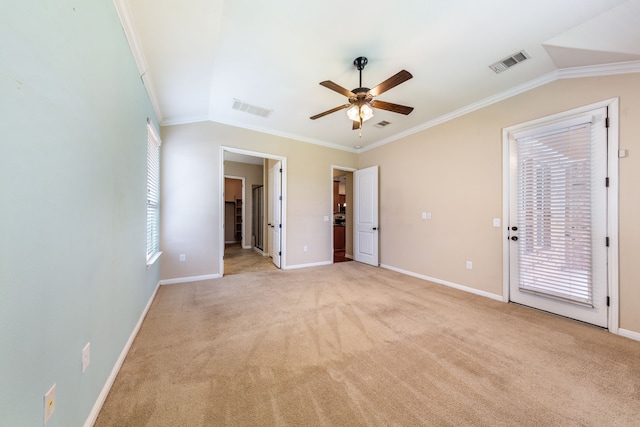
(153, 193)
(554, 193)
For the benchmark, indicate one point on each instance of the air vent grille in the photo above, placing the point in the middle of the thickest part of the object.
(509, 61)
(382, 124)
(251, 109)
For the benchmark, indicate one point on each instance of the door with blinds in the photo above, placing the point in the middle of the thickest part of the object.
(558, 217)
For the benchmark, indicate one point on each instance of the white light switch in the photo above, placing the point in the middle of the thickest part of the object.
(326, 218)
(424, 215)
(496, 222)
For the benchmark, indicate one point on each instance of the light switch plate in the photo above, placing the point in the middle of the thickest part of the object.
(49, 403)
(496, 222)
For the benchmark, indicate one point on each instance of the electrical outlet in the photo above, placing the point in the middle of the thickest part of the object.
(183, 257)
(469, 265)
(49, 403)
(86, 357)
(424, 215)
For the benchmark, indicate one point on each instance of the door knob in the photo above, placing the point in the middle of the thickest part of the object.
(375, 228)
(514, 238)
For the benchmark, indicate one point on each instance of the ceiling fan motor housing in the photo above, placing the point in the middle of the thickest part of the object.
(360, 62)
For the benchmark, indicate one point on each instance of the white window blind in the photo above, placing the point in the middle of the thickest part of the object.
(153, 192)
(554, 198)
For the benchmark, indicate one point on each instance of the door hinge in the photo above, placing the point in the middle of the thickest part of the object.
(606, 182)
(607, 241)
(280, 198)
(608, 301)
(606, 122)
(280, 170)
(279, 253)
(280, 226)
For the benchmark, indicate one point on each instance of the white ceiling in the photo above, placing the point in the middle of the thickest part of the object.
(198, 56)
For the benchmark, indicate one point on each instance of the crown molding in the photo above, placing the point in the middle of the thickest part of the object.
(563, 73)
(126, 20)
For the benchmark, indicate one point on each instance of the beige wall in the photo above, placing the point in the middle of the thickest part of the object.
(191, 196)
(454, 171)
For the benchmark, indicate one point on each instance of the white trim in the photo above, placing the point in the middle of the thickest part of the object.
(629, 334)
(126, 20)
(314, 264)
(613, 260)
(540, 81)
(189, 279)
(97, 406)
(600, 70)
(153, 259)
(613, 203)
(445, 283)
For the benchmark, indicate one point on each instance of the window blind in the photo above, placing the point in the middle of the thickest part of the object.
(153, 192)
(554, 199)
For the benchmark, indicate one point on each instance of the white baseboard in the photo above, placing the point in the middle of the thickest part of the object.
(261, 252)
(93, 415)
(629, 334)
(315, 264)
(189, 279)
(446, 283)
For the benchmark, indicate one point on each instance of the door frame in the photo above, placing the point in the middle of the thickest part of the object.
(343, 169)
(223, 149)
(612, 200)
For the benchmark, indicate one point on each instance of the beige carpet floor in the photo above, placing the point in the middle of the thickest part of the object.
(353, 345)
(238, 260)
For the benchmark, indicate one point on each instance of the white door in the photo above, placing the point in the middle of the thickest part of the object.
(365, 214)
(275, 213)
(558, 217)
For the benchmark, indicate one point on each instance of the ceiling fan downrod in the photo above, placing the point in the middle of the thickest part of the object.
(360, 63)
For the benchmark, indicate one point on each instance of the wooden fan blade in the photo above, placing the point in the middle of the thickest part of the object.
(396, 108)
(356, 125)
(391, 82)
(333, 110)
(336, 87)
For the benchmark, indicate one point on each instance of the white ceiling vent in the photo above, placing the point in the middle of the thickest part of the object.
(509, 61)
(382, 124)
(251, 109)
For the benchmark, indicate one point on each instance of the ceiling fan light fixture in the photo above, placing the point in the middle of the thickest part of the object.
(360, 112)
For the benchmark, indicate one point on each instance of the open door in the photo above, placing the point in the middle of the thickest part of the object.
(365, 216)
(275, 213)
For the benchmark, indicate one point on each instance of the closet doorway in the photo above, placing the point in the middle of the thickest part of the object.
(246, 243)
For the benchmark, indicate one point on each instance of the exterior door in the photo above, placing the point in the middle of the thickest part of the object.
(558, 217)
(365, 215)
(275, 213)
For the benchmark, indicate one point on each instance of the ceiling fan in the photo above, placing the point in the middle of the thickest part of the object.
(361, 100)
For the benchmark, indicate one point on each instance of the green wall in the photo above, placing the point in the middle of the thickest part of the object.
(73, 114)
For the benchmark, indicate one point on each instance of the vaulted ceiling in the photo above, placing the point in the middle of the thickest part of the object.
(200, 57)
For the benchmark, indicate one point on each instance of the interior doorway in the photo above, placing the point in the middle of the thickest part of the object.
(342, 210)
(245, 237)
